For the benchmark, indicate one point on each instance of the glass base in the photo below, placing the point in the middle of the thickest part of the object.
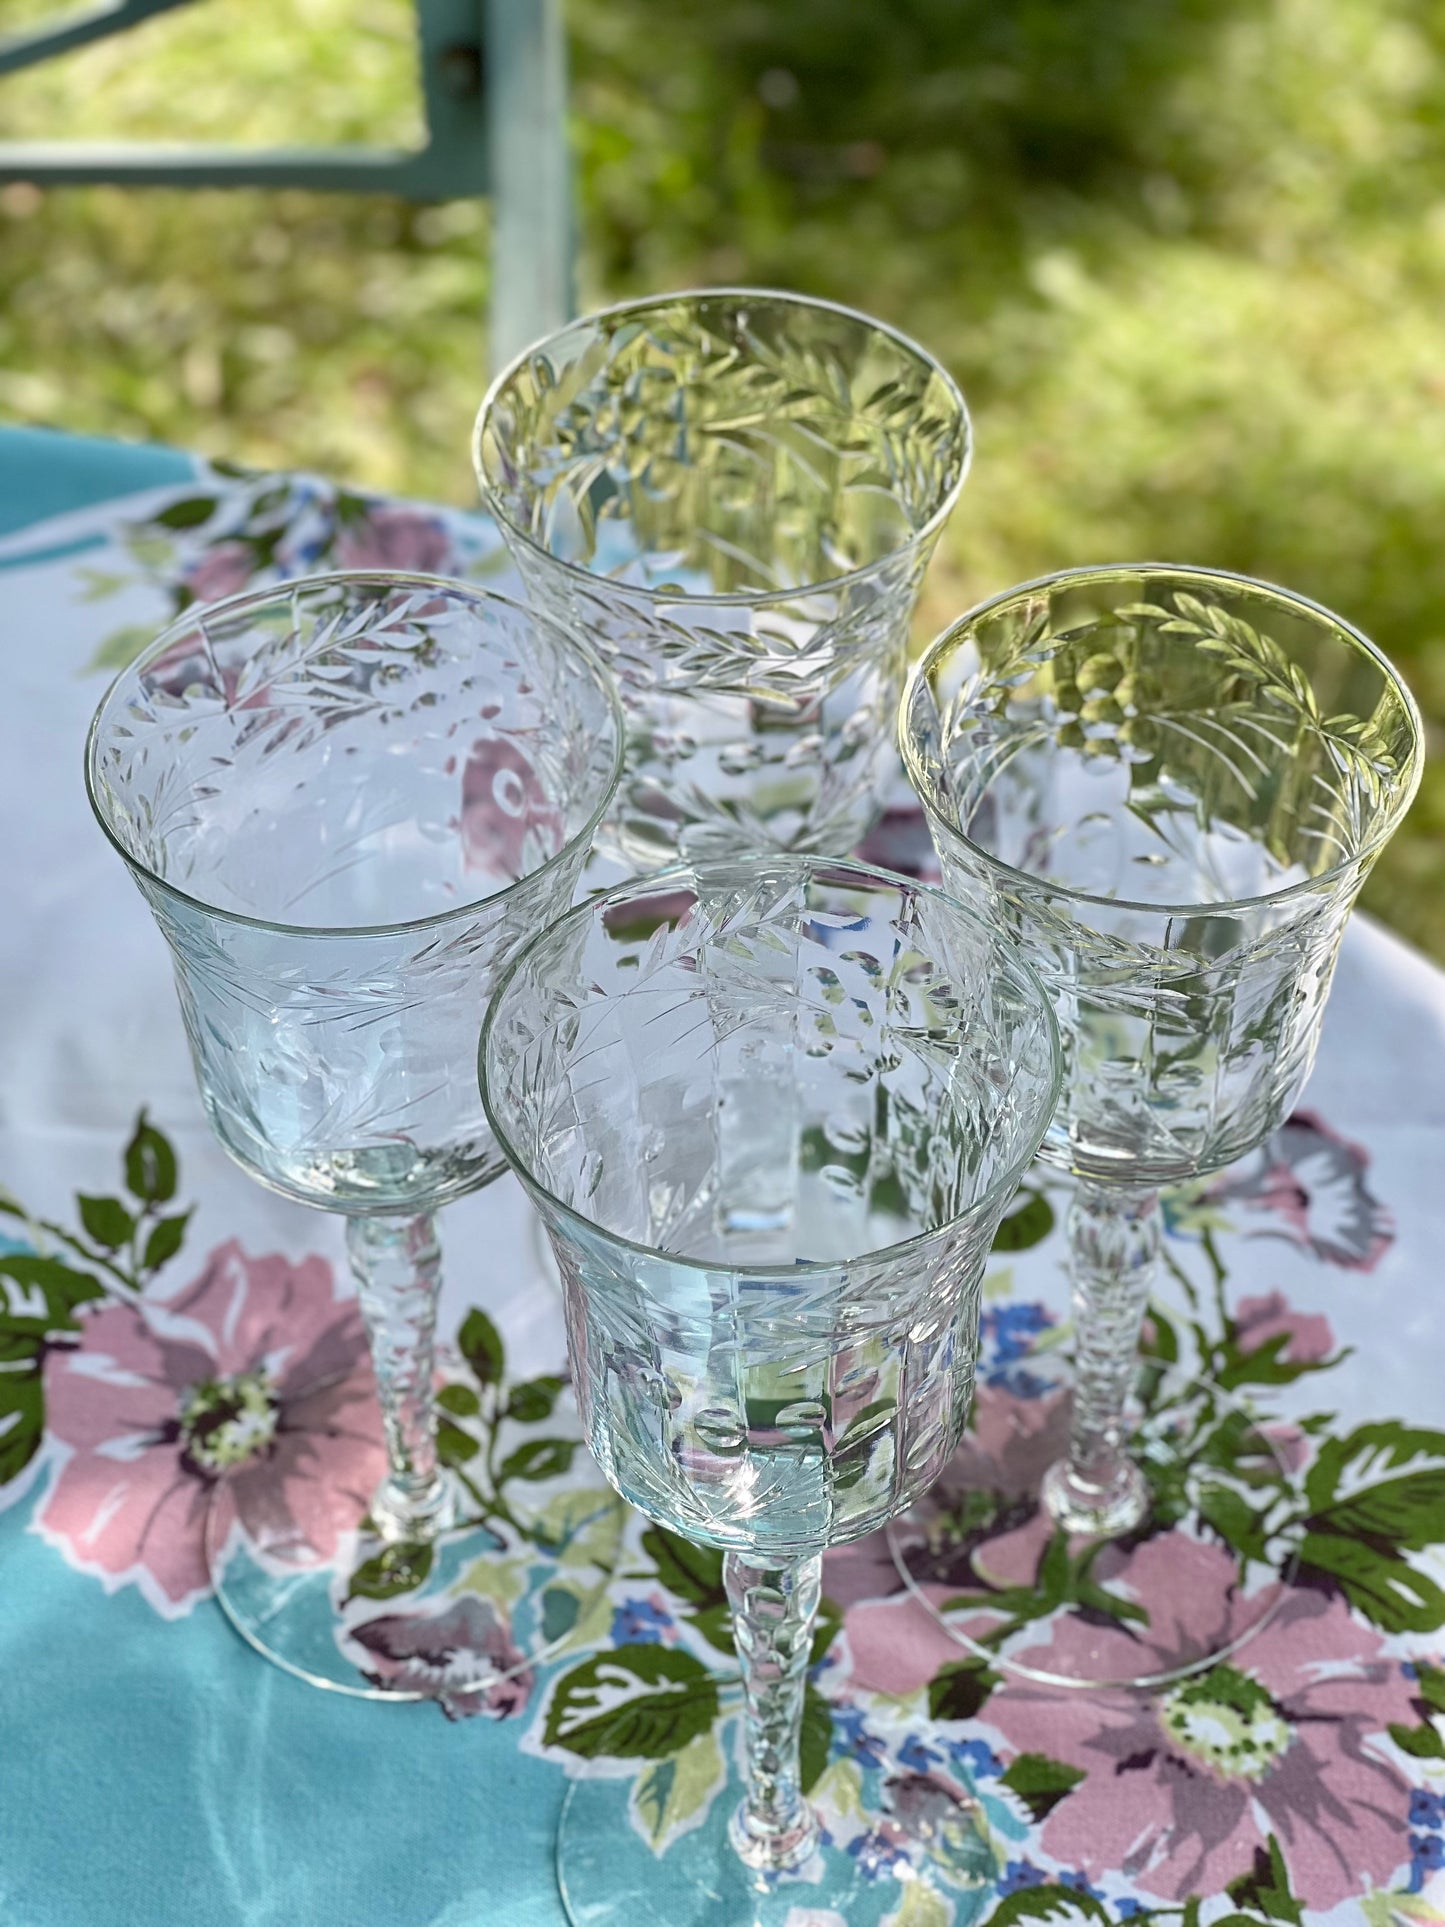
(610, 1876)
(464, 1619)
(1208, 1567)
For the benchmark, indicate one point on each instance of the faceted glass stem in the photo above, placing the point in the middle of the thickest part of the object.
(1113, 1252)
(773, 1610)
(397, 1266)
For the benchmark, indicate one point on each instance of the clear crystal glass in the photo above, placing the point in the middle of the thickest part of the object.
(734, 496)
(770, 1110)
(1168, 785)
(346, 801)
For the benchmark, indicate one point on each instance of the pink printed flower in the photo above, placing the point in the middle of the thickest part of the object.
(1311, 1182)
(1183, 1787)
(395, 538)
(1307, 1335)
(508, 825)
(895, 1646)
(253, 1374)
(899, 840)
(221, 570)
(462, 1657)
(981, 1522)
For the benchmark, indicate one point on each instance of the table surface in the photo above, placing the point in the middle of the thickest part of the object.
(154, 1770)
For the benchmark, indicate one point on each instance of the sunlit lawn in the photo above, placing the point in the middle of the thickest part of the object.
(1188, 260)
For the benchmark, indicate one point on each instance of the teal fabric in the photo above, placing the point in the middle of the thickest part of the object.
(169, 1775)
(43, 473)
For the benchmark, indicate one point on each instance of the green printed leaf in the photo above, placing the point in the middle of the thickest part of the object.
(817, 1740)
(1064, 1905)
(454, 1446)
(1161, 1340)
(1095, 1598)
(532, 1400)
(120, 648)
(1041, 1782)
(1420, 1742)
(1266, 1887)
(689, 1572)
(395, 1569)
(959, 1689)
(350, 508)
(1385, 1446)
(637, 1703)
(669, 1793)
(1235, 1520)
(825, 1631)
(60, 1287)
(1028, 1224)
(188, 514)
(1052, 1579)
(165, 1241)
(1391, 1594)
(150, 1164)
(106, 1220)
(22, 1402)
(1425, 1741)
(1407, 1512)
(1430, 1682)
(715, 1623)
(460, 1400)
(480, 1344)
(1266, 1365)
(1235, 1438)
(538, 1459)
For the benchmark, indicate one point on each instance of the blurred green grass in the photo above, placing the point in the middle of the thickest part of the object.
(1186, 256)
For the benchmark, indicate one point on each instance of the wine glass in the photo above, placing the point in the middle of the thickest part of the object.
(770, 1110)
(734, 495)
(1168, 785)
(346, 800)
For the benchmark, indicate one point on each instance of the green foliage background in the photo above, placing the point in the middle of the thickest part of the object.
(1186, 256)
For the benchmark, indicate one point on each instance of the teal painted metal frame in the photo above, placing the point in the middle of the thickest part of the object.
(494, 88)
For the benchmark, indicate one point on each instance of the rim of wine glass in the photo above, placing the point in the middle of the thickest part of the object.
(924, 789)
(660, 882)
(233, 605)
(738, 598)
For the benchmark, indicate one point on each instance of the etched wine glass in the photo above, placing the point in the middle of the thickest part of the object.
(346, 800)
(734, 495)
(770, 1110)
(1168, 785)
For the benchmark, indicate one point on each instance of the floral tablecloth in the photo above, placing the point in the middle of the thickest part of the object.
(165, 1324)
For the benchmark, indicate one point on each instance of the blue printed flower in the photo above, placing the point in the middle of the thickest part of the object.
(1426, 1809)
(916, 1756)
(641, 1622)
(1010, 1333)
(976, 1758)
(865, 1746)
(1019, 1874)
(1078, 1883)
(876, 1854)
